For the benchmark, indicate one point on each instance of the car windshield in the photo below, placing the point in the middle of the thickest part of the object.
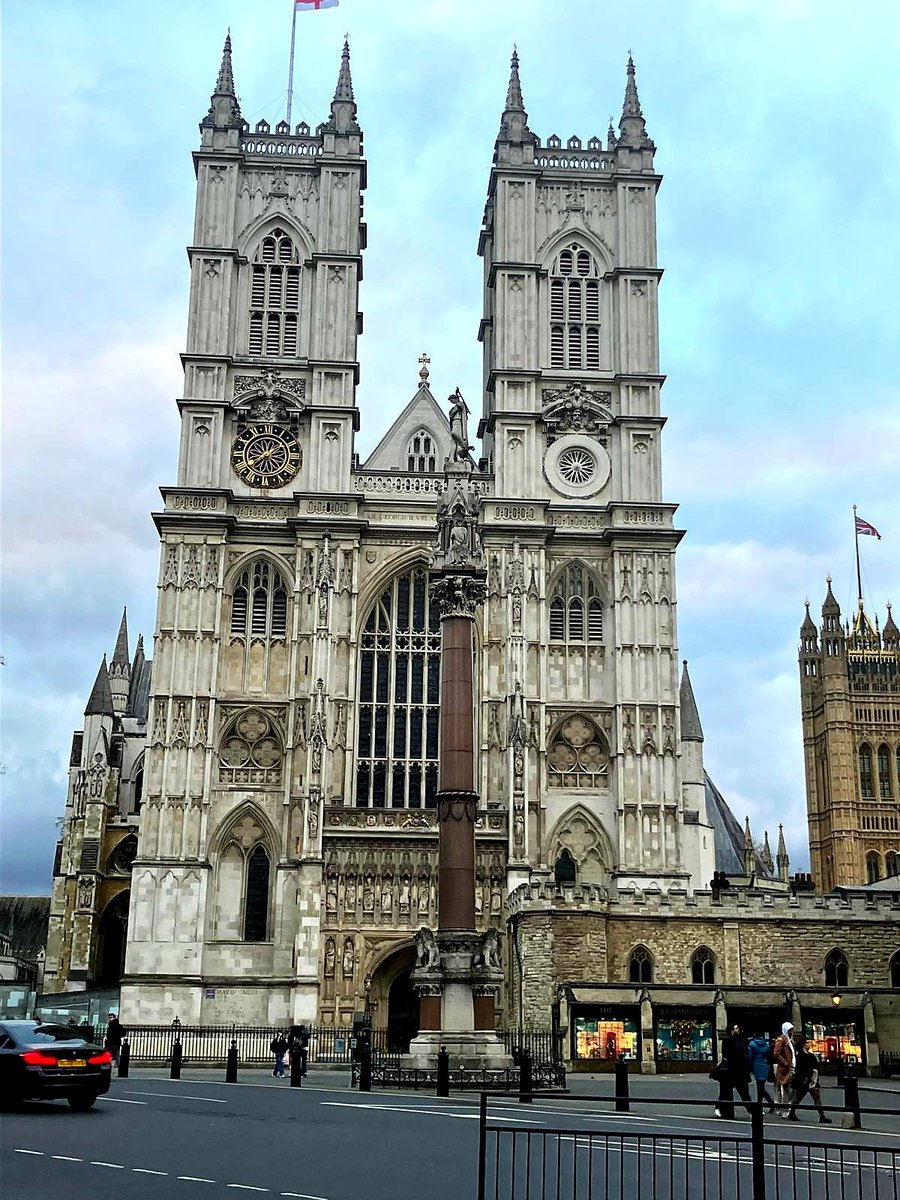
(30, 1032)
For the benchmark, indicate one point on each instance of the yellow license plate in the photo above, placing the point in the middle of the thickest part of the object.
(73, 1062)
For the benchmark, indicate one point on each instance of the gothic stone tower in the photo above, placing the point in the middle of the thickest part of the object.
(288, 849)
(577, 524)
(850, 697)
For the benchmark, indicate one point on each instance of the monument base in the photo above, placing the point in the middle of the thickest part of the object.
(473, 1050)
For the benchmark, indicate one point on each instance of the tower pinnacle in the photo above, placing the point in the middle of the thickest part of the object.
(120, 654)
(343, 106)
(100, 701)
(782, 860)
(514, 122)
(344, 89)
(632, 126)
(691, 729)
(224, 109)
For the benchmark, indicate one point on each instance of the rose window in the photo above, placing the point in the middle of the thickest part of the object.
(577, 756)
(251, 751)
(577, 465)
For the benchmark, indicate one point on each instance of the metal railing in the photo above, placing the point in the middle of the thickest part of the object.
(569, 1161)
(208, 1044)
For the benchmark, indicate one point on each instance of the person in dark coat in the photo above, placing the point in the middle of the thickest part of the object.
(279, 1047)
(806, 1081)
(115, 1034)
(736, 1077)
(759, 1053)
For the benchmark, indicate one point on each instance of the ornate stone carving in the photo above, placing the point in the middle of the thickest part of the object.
(459, 432)
(267, 396)
(170, 567)
(251, 750)
(428, 956)
(575, 409)
(180, 725)
(458, 595)
(318, 731)
(457, 806)
(348, 958)
(330, 958)
(459, 538)
(86, 888)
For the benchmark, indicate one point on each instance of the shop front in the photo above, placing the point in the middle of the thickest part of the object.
(603, 1033)
(834, 1035)
(758, 1018)
(684, 1037)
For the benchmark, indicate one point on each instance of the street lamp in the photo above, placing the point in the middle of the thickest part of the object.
(836, 999)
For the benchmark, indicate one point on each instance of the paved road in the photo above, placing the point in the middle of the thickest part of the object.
(200, 1138)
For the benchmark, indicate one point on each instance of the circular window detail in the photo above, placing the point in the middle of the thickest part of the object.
(577, 466)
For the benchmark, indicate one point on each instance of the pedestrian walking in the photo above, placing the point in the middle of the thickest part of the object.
(115, 1034)
(784, 1059)
(760, 1054)
(735, 1077)
(279, 1047)
(806, 1082)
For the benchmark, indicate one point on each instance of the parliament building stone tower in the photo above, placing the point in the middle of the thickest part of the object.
(288, 845)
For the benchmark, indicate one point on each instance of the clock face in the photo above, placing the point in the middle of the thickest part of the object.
(266, 456)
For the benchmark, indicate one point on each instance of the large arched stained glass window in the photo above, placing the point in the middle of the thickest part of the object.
(399, 698)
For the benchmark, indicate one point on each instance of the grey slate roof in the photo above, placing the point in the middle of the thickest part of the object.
(691, 729)
(25, 919)
(100, 700)
(728, 835)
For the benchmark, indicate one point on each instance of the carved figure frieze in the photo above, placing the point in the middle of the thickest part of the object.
(575, 409)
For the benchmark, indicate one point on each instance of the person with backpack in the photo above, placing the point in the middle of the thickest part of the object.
(760, 1054)
(279, 1047)
(733, 1074)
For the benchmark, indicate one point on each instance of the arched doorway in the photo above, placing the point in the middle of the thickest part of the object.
(403, 1013)
(111, 950)
(393, 1003)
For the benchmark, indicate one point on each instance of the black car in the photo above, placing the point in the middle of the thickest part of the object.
(50, 1062)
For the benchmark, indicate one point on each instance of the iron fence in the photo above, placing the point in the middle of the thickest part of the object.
(889, 1061)
(568, 1162)
(208, 1044)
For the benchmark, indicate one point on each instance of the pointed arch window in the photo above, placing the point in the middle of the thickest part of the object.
(837, 973)
(256, 900)
(575, 310)
(259, 603)
(865, 773)
(885, 786)
(703, 965)
(895, 970)
(873, 866)
(578, 755)
(891, 867)
(399, 698)
(576, 608)
(275, 298)
(640, 965)
(421, 452)
(244, 882)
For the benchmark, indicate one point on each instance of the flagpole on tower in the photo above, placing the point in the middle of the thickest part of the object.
(858, 573)
(290, 87)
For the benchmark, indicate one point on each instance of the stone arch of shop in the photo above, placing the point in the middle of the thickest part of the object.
(392, 1000)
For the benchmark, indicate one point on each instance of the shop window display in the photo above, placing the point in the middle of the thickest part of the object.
(604, 1039)
(684, 1037)
(834, 1040)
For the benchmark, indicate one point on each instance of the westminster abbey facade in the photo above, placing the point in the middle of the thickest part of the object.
(271, 779)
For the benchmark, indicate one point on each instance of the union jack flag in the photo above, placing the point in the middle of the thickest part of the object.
(864, 527)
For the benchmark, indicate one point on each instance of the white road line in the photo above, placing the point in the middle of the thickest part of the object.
(194, 1179)
(423, 1112)
(177, 1096)
(246, 1187)
(36, 1153)
(115, 1166)
(66, 1158)
(119, 1100)
(147, 1171)
(304, 1196)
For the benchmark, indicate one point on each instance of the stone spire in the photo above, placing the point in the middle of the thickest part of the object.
(830, 606)
(691, 729)
(749, 853)
(343, 106)
(890, 635)
(808, 628)
(782, 860)
(514, 122)
(632, 127)
(766, 854)
(120, 668)
(100, 701)
(224, 109)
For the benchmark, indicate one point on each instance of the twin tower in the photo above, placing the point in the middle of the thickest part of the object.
(288, 839)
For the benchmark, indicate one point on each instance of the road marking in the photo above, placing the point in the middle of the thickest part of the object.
(115, 1166)
(36, 1153)
(422, 1112)
(246, 1187)
(147, 1171)
(119, 1100)
(177, 1096)
(195, 1179)
(304, 1196)
(66, 1158)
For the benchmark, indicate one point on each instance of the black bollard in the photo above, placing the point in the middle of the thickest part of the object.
(365, 1069)
(851, 1096)
(124, 1059)
(231, 1063)
(177, 1053)
(526, 1084)
(296, 1067)
(841, 1071)
(443, 1072)
(621, 1071)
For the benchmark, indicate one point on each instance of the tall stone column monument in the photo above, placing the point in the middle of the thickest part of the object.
(457, 972)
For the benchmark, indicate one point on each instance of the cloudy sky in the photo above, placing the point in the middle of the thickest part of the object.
(778, 128)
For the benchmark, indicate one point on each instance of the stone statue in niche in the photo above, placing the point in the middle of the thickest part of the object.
(348, 957)
(330, 958)
(387, 895)
(331, 897)
(350, 895)
(369, 894)
(423, 896)
(488, 953)
(428, 957)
